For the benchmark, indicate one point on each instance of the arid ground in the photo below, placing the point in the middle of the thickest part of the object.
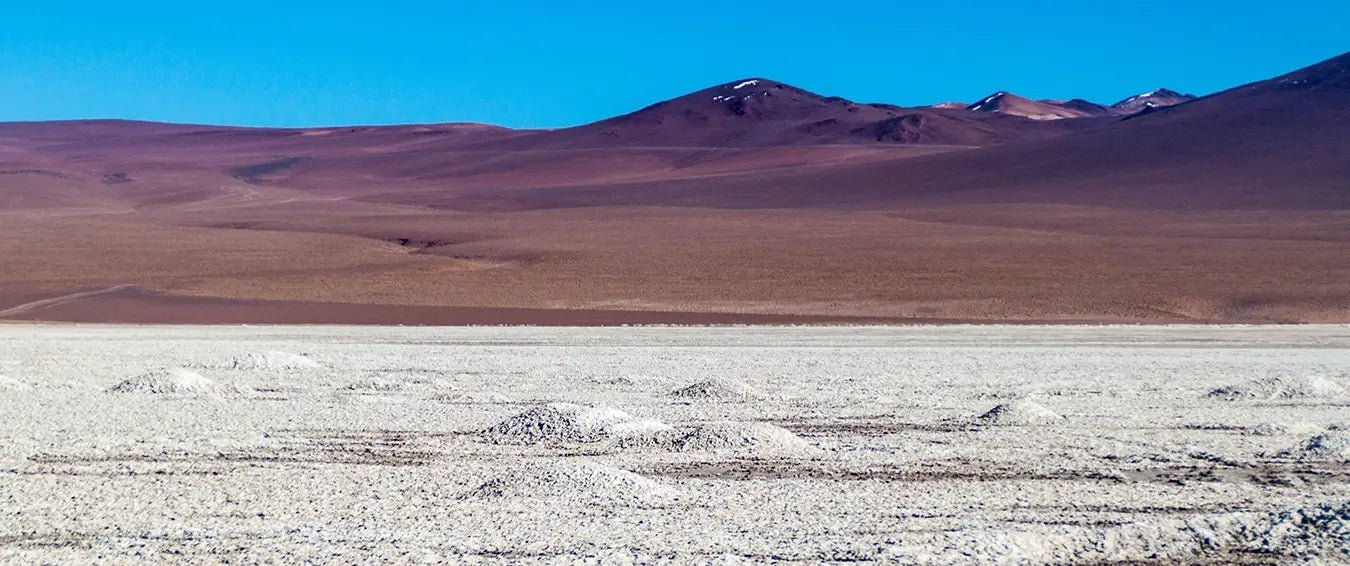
(1026, 263)
(748, 202)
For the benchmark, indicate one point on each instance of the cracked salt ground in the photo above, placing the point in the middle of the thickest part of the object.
(1036, 445)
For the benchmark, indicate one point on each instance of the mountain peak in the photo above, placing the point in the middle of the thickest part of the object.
(749, 83)
(1004, 102)
(1157, 98)
(991, 103)
(737, 93)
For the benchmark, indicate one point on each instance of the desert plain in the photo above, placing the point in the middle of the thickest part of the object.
(820, 444)
(752, 201)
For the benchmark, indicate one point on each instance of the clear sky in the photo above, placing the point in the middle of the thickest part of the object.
(547, 64)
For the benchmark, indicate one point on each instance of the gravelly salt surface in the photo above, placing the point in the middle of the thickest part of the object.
(357, 444)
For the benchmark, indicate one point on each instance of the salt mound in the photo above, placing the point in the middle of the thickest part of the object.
(638, 428)
(558, 422)
(1331, 445)
(373, 385)
(1281, 387)
(620, 380)
(166, 382)
(11, 384)
(715, 389)
(1019, 413)
(473, 398)
(1280, 429)
(572, 480)
(264, 361)
(737, 436)
(642, 434)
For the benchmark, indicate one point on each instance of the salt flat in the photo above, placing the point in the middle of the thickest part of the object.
(816, 444)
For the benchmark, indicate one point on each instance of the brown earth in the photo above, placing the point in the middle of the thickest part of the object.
(957, 263)
(1232, 207)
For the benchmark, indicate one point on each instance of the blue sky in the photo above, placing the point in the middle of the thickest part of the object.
(548, 64)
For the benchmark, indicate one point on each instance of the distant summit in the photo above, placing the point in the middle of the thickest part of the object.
(760, 112)
(1149, 100)
(1007, 103)
(760, 99)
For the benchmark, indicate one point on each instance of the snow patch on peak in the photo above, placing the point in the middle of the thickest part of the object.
(987, 100)
(1156, 98)
(1149, 94)
(751, 82)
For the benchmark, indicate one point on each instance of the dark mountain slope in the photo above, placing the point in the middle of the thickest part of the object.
(1282, 143)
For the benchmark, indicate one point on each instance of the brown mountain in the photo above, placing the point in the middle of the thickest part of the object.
(1278, 144)
(763, 203)
(1159, 98)
(751, 125)
(1086, 107)
(1043, 110)
(761, 113)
